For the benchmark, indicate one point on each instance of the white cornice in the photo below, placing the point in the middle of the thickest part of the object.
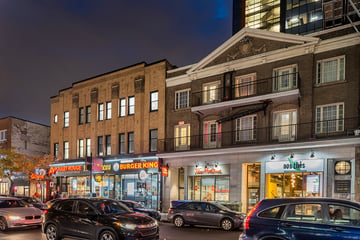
(264, 148)
(180, 68)
(174, 81)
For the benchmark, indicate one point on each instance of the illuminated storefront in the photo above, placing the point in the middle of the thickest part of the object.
(294, 178)
(210, 183)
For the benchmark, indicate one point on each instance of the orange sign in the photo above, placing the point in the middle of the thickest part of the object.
(53, 170)
(37, 176)
(165, 171)
(139, 165)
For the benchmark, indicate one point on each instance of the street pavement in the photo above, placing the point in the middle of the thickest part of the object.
(167, 232)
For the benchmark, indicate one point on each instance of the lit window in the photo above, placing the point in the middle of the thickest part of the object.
(331, 70)
(182, 137)
(285, 78)
(284, 126)
(108, 110)
(101, 111)
(81, 148)
(246, 128)
(66, 119)
(131, 107)
(245, 85)
(88, 147)
(154, 101)
(66, 150)
(210, 92)
(55, 118)
(100, 146)
(122, 107)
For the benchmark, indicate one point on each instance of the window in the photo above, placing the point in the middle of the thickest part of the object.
(100, 146)
(153, 140)
(130, 142)
(331, 70)
(56, 150)
(3, 135)
(66, 119)
(66, 206)
(55, 118)
(85, 209)
(246, 128)
(284, 125)
(154, 101)
(131, 107)
(330, 118)
(88, 114)
(245, 85)
(66, 150)
(122, 107)
(210, 92)
(121, 143)
(108, 144)
(270, 213)
(285, 78)
(182, 99)
(182, 137)
(81, 115)
(344, 215)
(100, 111)
(88, 147)
(108, 110)
(81, 148)
(212, 134)
(306, 212)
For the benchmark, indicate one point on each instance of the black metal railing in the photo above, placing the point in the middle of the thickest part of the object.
(330, 129)
(245, 90)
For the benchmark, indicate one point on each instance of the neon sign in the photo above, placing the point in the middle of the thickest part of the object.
(139, 165)
(54, 170)
(207, 171)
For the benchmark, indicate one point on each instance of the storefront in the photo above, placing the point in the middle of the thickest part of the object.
(210, 183)
(294, 178)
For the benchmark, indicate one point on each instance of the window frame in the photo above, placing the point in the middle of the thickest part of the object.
(56, 150)
(153, 142)
(319, 123)
(88, 147)
(340, 75)
(88, 114)
(81, 148)
(131, 142)
(108, 145)
(3, 135)
(240, 130)
(207, 97)
(154, 101)
(179, 139)
(66, 149)
(277, 80)
(122, 107)
(100, 111)
(250, 85)
(81, 115)
(131, 105)
(66, 119)
(56, 118)
(178, 98)
(277, 129)
(100, 146)
(122, 142)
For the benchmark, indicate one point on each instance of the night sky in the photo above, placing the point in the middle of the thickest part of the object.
(46, 45)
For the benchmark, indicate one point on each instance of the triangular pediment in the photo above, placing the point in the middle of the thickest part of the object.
(251, 43)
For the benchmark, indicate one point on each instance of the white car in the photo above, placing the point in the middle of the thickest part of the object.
(15, 213)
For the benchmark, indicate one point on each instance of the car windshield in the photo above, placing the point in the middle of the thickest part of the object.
(110, 207)
(12, 203)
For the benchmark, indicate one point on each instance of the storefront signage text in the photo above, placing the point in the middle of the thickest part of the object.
(54, 170)
(139, 165)
(165, 171)
(207, 171)
(37, 176)
(313, 165)
(106, 167)
(294, 165)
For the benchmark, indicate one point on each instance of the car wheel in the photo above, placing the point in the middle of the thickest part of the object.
(178, 221)
(3, 224)
(107, 235)
(51, 232)
(227, 224)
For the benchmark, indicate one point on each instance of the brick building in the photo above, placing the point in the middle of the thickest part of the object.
(117, 118)
(266, 115)
(25, 137)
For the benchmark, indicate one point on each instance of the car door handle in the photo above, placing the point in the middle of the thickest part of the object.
(338, 229)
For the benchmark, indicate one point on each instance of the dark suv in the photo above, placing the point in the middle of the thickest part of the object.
(303, 219)
(98, 219)
(136, 207)
(204, 213)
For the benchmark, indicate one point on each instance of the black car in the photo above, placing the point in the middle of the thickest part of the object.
(33, 201)
(204, 213)
(98, 219)
(303, 219)
(136, 207)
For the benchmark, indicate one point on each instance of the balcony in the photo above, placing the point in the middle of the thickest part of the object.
(305, 132)
(276, 89)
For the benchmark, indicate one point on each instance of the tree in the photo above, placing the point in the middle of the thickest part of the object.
(13, 163)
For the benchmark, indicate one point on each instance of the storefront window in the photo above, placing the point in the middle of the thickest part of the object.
(209, 188)
(181, 184)
(253, 185)
(296, 184)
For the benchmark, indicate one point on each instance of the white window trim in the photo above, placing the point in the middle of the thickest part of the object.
(292, 132)
(276, 79)
(66, 119)
(3, 135)
(100, 112)
(177, 99)
(207, 143)
(131, 113)
(321, 79)
(121, 107)
(204, 93)
(337, 117)
(238, 127)
(177, 139)
(66, 149)
(152, 101)
(252, 85)
(108, 110)
(81, 148)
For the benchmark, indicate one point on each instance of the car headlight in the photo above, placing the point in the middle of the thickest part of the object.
(129, 226)
(14, 218)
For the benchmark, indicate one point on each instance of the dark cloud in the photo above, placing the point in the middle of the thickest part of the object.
(45, 45)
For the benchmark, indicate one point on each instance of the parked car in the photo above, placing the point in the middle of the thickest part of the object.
(51, 202)
(97, 218)
(303, 218)
(33, 201)
(15, 213)
(204, 213)
(137, 207)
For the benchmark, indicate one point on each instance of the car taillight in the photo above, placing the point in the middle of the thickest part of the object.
(247, 219)
(170, 210)
(45, 211)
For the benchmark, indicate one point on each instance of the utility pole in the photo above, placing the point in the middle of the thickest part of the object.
(89, 163)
